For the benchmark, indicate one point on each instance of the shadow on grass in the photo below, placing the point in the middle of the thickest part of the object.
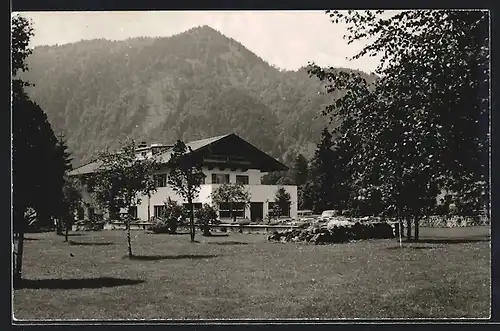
(411, 247)
(448, 241)
(168, 257)
(78, 283)
(30, 239)
(170, 234)
(228, 243)
(218, 235)
(75, 243)
(75, 234)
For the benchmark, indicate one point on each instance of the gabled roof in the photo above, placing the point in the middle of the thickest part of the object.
(269, 163)
(195, 145)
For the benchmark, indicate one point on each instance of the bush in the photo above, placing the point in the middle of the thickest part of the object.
(206, 215)
(318, 234)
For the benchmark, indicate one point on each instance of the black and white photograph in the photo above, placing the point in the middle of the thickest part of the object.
(225, 165)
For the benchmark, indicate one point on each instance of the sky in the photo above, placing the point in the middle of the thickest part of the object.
(285, 39)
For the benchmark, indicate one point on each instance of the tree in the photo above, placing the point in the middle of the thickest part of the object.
(422, 125)
(21, 33)
(231, 194)
(206, 214)
(306, 195)
(173, 213)
(300, 170)
(273, 178)
(121, 179)
(322, 174)
(71, 201)
(63, 187)
(34, 158)
(282, 200)
(186, 177)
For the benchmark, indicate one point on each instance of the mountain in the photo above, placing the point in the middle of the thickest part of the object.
(189, 86)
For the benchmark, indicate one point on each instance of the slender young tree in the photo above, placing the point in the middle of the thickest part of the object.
(121, 180)
(71, 201)
(186, 177)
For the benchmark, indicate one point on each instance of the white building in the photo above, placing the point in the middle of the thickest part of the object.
(225, 159)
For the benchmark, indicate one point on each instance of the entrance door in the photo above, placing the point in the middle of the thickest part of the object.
(256, 211)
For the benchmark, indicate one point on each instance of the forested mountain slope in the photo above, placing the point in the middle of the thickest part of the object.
(189, 86)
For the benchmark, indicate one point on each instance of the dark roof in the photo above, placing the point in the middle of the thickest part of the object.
(269, 164)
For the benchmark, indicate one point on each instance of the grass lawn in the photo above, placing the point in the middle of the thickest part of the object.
(242, 276)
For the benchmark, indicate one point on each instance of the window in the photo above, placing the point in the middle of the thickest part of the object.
(160, 180)
(220, 178)
(242, 179)
(91, 213)
(225, 210)
(159, 210)
(196, 206)
(133, 212)
(285, 211)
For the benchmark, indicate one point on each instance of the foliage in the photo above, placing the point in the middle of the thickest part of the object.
(231, 194)
(423, 125)
(169, 220)
(337, 234)
(190, 86)
(322, 176)
(300, 170)
(186, 177)
(173, 213)
(37, 167)
(121, 179)
(282, 201)
(21, 33)
(206, 215)
(69, 204)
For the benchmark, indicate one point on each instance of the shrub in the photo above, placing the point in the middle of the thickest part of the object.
(206, 215)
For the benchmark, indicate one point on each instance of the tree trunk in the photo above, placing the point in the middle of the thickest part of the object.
(129, 242)
(408, 228)
(149, 207)
(417, 228)
(20, 250)
(191, 219)
(66, 233)
(233, 215)
(59, 227)
(206, 228)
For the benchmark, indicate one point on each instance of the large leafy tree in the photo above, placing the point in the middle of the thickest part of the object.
(231, 194)
(422, 126)
(120, 181)
(37, 175)
(186, 177)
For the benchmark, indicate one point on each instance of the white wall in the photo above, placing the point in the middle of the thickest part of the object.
(258, 193)
(254, 175)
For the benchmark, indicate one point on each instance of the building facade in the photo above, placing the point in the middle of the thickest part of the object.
(226, 159)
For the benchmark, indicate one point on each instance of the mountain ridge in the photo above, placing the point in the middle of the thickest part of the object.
(189, 86)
